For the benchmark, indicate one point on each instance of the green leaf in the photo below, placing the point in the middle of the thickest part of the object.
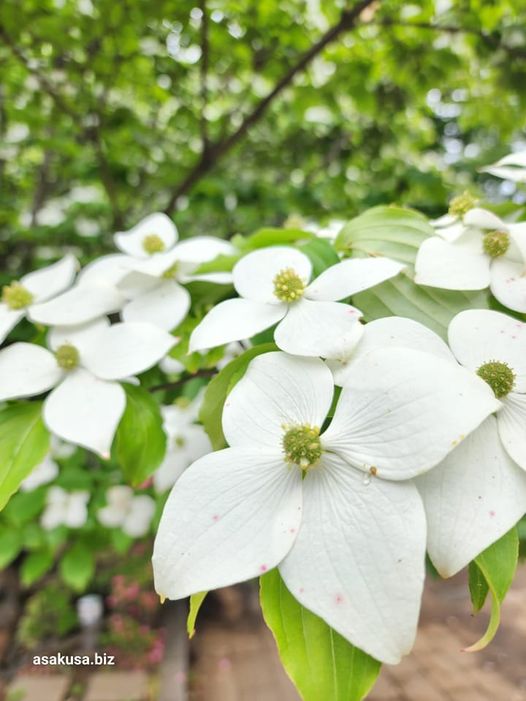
(270, 237)
(77, 567)
(321, 253)
(385, 231)
(196, 601)
(497, 564)
(478, 587)
(35, 566)
(25, 506)
(10, 546)
(24, 442)
(140, 442)
(430, 306)
(320, 662)
(217, 391)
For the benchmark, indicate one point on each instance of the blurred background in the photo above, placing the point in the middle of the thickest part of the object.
(229, 116)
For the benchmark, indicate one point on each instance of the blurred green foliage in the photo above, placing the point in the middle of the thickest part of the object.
(110, 110)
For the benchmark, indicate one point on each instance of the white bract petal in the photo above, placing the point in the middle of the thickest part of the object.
(234, 320)
(391, 332)
(79, 305)
(471, 499)
(165, 305)
(358, 560)
(512, 423)
(127, 349)
(319, 329)
(50, 281)
(9, 318)
(402, 411)
(231, 516)
(27, 370)
(201, 249)
(107, 270)
(82, 337)
(508, 283)
(484, 219)
(137, 521)
(153, 234)
(479, 336)
(350, 277)
(460, 265)
(254, 275)
(511, 167)
(86, 411)
(276, 391)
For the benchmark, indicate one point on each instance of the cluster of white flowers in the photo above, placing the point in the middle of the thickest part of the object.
(352, 449)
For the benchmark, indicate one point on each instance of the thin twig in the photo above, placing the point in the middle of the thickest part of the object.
(205, 372)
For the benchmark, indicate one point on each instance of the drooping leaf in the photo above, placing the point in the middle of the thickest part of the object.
(497, 564)
(433, 307)
(394, 232)
(77, 566)
(321, 253)
(196, 601)
(24, 442)
(320, 662)
(218, 389)
(140, 442)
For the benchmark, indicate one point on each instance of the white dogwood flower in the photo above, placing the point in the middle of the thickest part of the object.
(273, 287)
(486, 252)
(65, 509)
(21, 297)
(154, 234)
(131, 512)
(477, 493)
(335, 509)
(511, 167)
(186, 442)
(84, 366)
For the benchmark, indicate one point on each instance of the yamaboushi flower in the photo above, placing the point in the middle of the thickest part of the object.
(131, 512)
(484, 252)
(84, 366)
(478, 492)
(65, 508)
(22, 296)
(273, 288)
(511, 167)
(335, 509)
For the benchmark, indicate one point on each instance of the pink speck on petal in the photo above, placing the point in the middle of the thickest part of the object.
(339, 599)
(215, 518)
(492, 514)
(292, 530)
(263, 568)
(302, 590)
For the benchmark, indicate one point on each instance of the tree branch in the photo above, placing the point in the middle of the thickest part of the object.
(203, 69)
(216, 151)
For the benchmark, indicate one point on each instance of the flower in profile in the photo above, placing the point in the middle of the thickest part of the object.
(484, 252)
(126, 510)
(511, 167)
(335, 509)
(22, 296)
(273, 288)
(186, 442)
(84, 366)
(65, 509)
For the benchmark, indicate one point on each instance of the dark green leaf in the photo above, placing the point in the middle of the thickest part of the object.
(77, 567)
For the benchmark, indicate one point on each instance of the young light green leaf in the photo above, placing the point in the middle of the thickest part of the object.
(321, 253)
(321, 663)
(196, 601)
(497, 564)
(77, 567)
(385, 231)
(140, 442)
(212, 407)
(478, 587)
(430, 306)
(270, 237)
(24, 442)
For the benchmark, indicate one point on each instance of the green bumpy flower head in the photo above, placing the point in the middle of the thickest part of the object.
(499, 376)
(461, 204)
(496, 243)
(302, 445)
(16, 296)
(67, 356)
(288, 286)
(153, 244)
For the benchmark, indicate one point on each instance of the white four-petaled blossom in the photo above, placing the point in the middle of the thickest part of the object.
(349, 537)
(273, 288)
(65, 509)
(84, 366)
(124, 509)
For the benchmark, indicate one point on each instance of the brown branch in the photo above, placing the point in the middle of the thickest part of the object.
(203, 70)
(216, 151)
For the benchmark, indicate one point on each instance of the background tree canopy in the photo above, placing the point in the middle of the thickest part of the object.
(231, 114)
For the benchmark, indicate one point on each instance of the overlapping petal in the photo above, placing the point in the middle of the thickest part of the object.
(352, 276)
(78, 305)
(512, 427)
(50, 281)
(165, 305)
(254, 274)
(27, 370)
(461, 265)
(231, 516)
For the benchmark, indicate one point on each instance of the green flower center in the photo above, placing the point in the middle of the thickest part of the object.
(302, 445)
(461, 204)
(16, 296)
(67, 356)
(496, 243)
(499, 376)
(153, 244)
(171, 272)
(288, 286)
